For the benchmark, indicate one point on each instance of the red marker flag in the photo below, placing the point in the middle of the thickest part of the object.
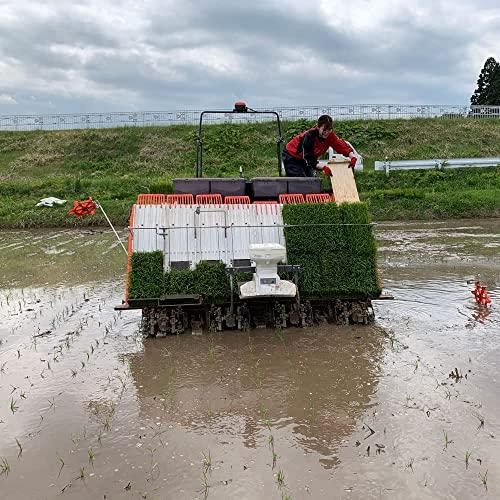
(81, 208)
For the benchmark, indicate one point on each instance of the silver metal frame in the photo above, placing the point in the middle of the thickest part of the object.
(436, 164)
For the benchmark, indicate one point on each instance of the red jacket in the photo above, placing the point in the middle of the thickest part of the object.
(309, 146)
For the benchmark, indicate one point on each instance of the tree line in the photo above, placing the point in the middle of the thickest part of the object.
(487, 92)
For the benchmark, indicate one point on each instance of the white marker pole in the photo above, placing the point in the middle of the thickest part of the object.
(111, 225)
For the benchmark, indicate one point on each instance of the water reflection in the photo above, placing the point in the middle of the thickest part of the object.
(316, 383)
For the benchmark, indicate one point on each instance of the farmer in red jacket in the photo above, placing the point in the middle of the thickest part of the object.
(301, 154)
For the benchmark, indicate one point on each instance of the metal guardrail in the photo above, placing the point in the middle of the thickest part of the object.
(151, 118)
(436, 164)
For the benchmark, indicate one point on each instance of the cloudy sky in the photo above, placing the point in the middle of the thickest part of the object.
(121, 55)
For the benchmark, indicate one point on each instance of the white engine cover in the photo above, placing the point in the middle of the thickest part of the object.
(266, 282)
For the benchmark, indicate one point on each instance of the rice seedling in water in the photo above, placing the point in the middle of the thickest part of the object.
(99, 437)
(13, 406)
(74, 373)
(280, 479)
(210, 412)
(83, 474)
(251, 344)
(275, 458)
(270, 442)
(2, 367)
(205, 483)
(91, 457)
(95, 409)
(258, 374)
(20, 448)
(280, 334)
(484, 479)
(4, 467)
(409, 465)
(207, 461)
(61, 461)
(267, 423)
(481, 421)
(106, 426)
(165, 400)
(467, 458)
(264, 410)
(446, 440)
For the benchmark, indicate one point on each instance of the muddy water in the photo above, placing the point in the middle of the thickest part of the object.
(89, 410)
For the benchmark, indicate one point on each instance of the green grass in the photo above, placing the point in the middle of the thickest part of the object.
(114, 165)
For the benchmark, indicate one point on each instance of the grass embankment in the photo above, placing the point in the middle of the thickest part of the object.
(115, 165)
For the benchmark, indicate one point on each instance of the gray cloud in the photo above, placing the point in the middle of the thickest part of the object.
(104, 56)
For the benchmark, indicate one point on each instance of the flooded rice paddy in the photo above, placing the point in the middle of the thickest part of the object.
(407, 408)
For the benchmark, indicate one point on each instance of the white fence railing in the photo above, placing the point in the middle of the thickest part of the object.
(338, 112)
(437, 164)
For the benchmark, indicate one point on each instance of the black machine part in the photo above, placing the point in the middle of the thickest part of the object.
(279, 314)
(239, 107)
